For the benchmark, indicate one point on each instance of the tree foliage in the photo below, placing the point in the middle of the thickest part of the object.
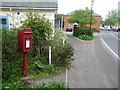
(112, 18)
(11, 57)
(118, 17)
(81, 17)
(42, 30)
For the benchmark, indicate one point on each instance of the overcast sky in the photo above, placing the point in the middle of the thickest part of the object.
(100, 7)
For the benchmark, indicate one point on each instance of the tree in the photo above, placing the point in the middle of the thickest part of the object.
(81, 17)
(112, 18)
(118, 17)
(42, 30)
(101, 21)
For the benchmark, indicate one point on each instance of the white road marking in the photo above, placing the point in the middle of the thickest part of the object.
(114, 36)
(110, 49)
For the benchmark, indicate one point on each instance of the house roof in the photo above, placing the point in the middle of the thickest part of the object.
(33, 3)
(95, 14)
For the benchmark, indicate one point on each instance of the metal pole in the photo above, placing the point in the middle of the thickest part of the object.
(61, 22)
(91, 21)
(66, 78)
(91, 17)
(50, 55)
(25, 67)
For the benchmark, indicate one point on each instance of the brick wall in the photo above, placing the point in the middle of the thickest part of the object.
(97, 25)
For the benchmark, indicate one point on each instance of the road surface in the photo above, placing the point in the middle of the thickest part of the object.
(111, 39)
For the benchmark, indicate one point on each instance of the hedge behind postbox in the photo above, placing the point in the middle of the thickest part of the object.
(11, 57)
(41, 30)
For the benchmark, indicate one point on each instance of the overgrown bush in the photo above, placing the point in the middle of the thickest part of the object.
(86, 37)
(11, 57)
(15, 84)
(82, 31)
(62, 55)
(37, 59)
(39, 68)
(44, 68)
(43, 37)
(62, 52)
(42, 31)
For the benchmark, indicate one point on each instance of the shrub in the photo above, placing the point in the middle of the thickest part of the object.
(42, 31)
(44, 68)
(11, 57)
(86, 37)
(82, 31)
(61, 52)
(38, 67)
(36, 64)
(43, 38)
(18, 84)
(76, 32)
(54, 85)
(95, 30)
(62, 55)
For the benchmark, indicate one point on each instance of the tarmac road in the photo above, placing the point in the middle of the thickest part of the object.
(94, 66)
(111, 39)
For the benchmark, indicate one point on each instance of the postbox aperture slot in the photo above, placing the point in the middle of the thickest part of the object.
(27, 32)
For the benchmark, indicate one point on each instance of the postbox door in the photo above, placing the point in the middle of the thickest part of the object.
(25, 39)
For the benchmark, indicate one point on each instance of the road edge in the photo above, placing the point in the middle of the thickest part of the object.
(109, 49)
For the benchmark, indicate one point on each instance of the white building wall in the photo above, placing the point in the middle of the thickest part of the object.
(14, 18)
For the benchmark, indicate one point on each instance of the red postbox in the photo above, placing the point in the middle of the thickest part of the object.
(25, 45)
(25, 40)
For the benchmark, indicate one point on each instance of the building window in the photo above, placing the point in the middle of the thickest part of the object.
(3, 21)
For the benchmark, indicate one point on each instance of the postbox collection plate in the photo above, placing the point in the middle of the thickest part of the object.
(27, 43)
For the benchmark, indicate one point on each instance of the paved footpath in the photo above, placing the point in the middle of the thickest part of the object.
(93, 65)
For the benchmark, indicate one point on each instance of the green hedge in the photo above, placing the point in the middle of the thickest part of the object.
(95, 30)
(11, 57)
(82, 31)
(86, 37)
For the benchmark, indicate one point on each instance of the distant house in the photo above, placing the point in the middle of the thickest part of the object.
(12, 10)
(96, 25)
